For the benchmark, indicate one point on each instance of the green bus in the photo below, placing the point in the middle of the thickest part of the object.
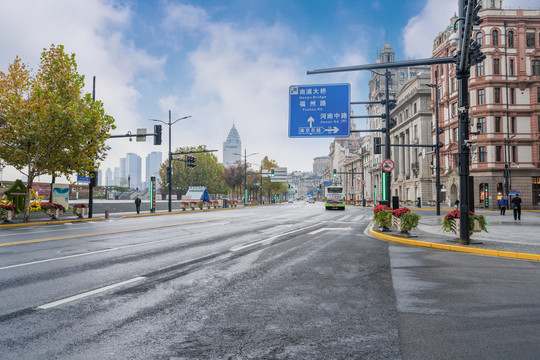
(334, 198)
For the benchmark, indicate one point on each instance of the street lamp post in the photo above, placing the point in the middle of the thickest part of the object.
(437, 143)
(169, 165)
(245, 173)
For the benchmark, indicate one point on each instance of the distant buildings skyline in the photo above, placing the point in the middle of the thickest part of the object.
(130, 171)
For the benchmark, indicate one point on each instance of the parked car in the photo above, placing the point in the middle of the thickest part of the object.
(311, 200)
(291, 200)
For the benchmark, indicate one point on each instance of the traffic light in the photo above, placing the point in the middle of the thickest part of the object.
(93, 179)
(190, 161)
(335, 173)
(157, 134)
(272, 173)
(376, 145)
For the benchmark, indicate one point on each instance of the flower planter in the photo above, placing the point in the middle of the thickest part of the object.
(54, 213)
(8, 215)
(80, 211)
(184, 206)
(192, 205)
(397, 223)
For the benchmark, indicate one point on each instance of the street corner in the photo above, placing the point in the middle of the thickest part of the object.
(392, 237)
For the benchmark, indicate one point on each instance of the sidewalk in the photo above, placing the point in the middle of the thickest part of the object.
(504, 234)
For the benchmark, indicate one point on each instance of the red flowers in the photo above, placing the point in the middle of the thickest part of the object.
(378, 208)
(81, 205)
(455, 214)
(48, 205)
(8, 207)
(402, 210)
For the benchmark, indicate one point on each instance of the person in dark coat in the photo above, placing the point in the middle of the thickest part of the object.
(138, 204)
(516, 205)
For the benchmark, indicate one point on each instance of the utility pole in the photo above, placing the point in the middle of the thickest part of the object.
(438, 144)
(94, 173)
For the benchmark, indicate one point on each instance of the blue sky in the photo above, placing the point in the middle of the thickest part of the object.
(219, 61)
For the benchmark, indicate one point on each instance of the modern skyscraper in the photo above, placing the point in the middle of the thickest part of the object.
(232, 148)
(108, 181)
(116, 176)
(153, 163)
(123, 173)
(134, 170)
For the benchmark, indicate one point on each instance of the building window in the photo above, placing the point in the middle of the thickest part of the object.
(536, 67)
(538, 95)
(414, 108)
(495, 38)
(406, 113)
(513, 125)
(514, 154)
(482, 154)
(440, 92)
(498, 153)
(479, 38)
(497, 124)
(511, 70)
(481, 125)
(512, 96)
(530, 38)
(510, 39)
(497, 95)
(480, 69)
(454, 109)
(454, 84)
(496, 66)
(402, 75)
(481, 96)
(455, 131)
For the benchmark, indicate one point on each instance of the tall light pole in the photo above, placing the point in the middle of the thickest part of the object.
(169, 165)
(437, 142)
(245, 173)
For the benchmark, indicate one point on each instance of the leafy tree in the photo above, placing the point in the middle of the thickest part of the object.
(268, 186)
(234, 177)
(207, 172)
(46, 125)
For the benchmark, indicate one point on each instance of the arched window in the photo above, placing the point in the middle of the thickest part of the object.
(510, 39)
(479, 38)
(495, 38)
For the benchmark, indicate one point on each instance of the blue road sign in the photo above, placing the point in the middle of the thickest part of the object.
(327, 183)
(319, 110)
(83, 178)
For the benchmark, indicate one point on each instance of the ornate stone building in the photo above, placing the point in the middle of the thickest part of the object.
(504, 93)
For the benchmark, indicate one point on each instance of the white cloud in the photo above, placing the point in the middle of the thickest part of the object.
(93, 30)
(421, 29)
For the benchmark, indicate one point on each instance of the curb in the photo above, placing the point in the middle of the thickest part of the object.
(49, 222)
(455, 248)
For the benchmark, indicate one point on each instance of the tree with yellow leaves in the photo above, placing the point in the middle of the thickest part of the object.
(47, 126)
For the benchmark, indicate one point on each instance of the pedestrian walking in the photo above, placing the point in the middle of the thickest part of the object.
(503, 204)
(516, 205)
(138, 202)
(457, 204)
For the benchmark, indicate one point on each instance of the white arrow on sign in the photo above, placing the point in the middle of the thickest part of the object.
(334, 130)
(310, 121)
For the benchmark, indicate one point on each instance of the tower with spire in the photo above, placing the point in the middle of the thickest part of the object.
(232, 149)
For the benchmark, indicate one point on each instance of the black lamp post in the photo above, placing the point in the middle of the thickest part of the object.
(169, 165)
(245, 173)
(437, 142)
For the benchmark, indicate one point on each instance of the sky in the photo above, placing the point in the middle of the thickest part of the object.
(219, 61)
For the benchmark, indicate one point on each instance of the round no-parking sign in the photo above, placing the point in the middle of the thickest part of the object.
(388, 165)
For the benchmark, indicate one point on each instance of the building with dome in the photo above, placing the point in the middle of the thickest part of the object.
(232, 149)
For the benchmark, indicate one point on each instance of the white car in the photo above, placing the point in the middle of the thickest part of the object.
(291, 200)
(311, 200)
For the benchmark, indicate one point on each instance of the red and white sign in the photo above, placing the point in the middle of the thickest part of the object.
(388, 165)
(363, 182)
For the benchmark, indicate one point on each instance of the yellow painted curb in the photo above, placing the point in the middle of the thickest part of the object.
(50, 222)
(455, 248)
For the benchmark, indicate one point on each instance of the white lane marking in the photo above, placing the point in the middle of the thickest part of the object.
(270, 238)
(101, 251)
(284, 225)
(88, 293)
(345, 218)
(358, 218)
(333, 229)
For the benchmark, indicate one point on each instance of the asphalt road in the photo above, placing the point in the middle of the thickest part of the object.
(276, 282)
